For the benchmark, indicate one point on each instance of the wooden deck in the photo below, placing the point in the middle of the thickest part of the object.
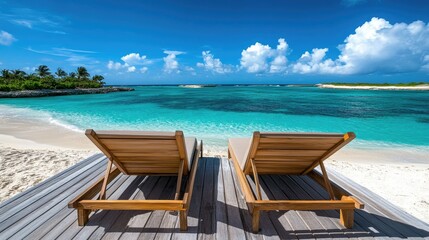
(217, 209)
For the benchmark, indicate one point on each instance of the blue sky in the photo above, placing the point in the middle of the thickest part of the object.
(170, 42)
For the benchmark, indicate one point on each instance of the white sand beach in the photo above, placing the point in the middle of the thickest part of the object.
(399, 175)
(419, 87)
(31, 151)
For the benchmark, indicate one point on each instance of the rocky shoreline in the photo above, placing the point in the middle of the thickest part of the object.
(61, 92)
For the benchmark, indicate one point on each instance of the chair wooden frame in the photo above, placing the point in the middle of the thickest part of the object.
(339, 198)
(85, 202)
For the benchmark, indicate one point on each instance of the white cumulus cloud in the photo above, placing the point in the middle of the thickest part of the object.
(130, 61)
(314, 62)
(131, 69)
(170, 61)
(6, 38)
(144, 69)
(115, 65)
(135, 59)
(213, 64)
(376, 46)
(259, 58)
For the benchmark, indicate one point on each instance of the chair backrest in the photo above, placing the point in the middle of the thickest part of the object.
(293, 153)
(142, 153)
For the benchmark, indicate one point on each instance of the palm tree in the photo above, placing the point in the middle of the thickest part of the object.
(5, 73)
(82, 73)
(60, 73)
(72, 74)
(18, 74)
(98, 78)
(43, 71)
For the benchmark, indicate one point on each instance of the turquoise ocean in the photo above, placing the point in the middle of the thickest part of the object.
(379, 118)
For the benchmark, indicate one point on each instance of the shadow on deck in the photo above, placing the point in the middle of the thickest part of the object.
(218, 209)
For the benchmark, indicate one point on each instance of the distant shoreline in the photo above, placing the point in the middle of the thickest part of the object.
(424, 87)
(61, 92)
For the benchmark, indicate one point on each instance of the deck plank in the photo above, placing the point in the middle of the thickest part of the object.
(31, 214)
(72, 230)
(70, 222)
(246, 218)
(218, 209)
(28, 193)
(207, 222)
(58, 216)
(266, 226)
(234, 223)
(221, 213)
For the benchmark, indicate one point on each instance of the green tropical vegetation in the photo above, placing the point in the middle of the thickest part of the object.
(42, 78)
(409, 84)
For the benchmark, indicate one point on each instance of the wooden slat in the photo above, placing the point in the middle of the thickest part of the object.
(289, 153)
(300, 135)
(285, 158)
(171, 154)
(159, 151)
(207, 222)
(220, 203)
(295, 146)
(145, 164)
(300, 140)
(143, 171)
(277, 170)
(304, 204)
(235, 225)
(150, 159)
(348, 137)
(285, 164)
(133, 142)
(136, 134)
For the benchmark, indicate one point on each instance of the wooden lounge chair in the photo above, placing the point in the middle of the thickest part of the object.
(141, 153)
(295, 154)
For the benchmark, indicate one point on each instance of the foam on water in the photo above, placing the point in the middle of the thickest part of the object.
(29, 114)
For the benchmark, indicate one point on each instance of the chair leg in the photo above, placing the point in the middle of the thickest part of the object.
(347, 217)
(82, 216)
(201, 148)
(183, 220)
(179, 179)
(106, 179)
(255, 221)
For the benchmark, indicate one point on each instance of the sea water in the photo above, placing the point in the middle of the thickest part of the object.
(214, 114)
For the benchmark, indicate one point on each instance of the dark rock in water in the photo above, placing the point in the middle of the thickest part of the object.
(60, 92)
